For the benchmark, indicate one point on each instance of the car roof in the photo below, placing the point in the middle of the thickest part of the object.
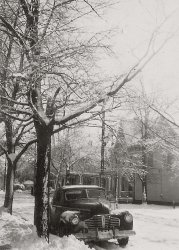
(81, 186)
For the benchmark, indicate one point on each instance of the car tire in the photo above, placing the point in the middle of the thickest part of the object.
(62, 230)
(90, 244)
(123, 242)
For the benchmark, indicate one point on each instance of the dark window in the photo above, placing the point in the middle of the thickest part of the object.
(150, 159)
(130, 187)
(123, 184)
(75, 194)
(96, 193)
(57, 197)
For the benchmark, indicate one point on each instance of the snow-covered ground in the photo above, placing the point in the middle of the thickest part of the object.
(157, 228)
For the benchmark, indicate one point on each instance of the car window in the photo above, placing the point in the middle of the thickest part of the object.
(96, 193)
(75, 194)
(57, 197)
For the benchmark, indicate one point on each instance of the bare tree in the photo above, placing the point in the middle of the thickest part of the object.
(138, 138)
(13, 143)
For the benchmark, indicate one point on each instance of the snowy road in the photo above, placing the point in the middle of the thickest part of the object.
(157, 227)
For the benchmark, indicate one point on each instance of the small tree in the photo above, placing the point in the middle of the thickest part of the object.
(16, 125)
(74, 153)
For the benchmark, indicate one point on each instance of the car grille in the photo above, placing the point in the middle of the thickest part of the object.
(103, 222)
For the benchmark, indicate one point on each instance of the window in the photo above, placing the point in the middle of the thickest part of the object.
(75, 194)
(57, 197)
(96, 193)
(150, 159)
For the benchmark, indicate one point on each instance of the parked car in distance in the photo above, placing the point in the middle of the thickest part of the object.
(19, 186)
(84, 211)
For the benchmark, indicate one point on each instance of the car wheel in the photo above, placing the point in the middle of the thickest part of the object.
(90, 244)
(61, 230)
(123, 242)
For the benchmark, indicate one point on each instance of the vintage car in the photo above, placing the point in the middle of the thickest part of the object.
(84, 211)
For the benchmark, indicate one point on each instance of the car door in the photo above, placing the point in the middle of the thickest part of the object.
(57, 206)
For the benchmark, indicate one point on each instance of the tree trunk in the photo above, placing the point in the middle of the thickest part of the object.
(9, 194)
(144, 190)
(144, 179)
(42, 179)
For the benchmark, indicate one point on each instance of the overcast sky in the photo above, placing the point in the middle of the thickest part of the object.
(132, 23)
(136, 20)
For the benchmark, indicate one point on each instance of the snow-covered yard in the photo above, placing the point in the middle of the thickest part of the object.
(157, 228)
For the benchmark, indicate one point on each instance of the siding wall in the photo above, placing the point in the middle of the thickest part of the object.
(137, 190)
(163, 189)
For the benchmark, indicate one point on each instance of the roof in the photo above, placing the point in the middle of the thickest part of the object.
(28, 182)
(85, 173)
(79, 186)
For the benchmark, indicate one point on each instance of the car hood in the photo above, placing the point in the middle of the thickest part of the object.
(90, 206)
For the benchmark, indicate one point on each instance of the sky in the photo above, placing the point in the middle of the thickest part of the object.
(132, 23)
(137, 20)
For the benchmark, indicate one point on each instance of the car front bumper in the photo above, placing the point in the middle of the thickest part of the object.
(104, 235)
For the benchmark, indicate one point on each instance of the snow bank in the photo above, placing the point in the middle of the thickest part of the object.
(13, 228)
(1, 192)
(21, 234)
(56, 243)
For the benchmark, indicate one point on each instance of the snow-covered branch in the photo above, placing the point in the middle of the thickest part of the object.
(13, 101)
(15, 117)
(24, 149)
(167, 119)
(15, 110)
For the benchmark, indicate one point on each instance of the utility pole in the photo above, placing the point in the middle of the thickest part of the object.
(5, 169)
(67, 179)
(103, 144)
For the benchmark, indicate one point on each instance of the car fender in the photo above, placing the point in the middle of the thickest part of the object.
(66, 215)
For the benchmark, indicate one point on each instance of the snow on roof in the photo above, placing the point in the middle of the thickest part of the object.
(28, 182)
(80, 186)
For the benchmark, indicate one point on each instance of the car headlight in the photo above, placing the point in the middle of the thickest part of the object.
(106, 206)
(128, 218)
(119, 222)
(74, 220)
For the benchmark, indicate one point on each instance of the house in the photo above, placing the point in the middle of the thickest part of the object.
(157, 180)
(127, 178)
(162, 182)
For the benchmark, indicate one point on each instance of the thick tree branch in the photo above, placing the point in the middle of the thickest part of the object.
(13, 101)
(15, 110)
(76, 122)
(4, 150)
(16, 118)
(38, 111)
(22, 133)
(12, 30)
(24, 5)
(93, 9)
(48, 22)
(24, 149)
(163, 116)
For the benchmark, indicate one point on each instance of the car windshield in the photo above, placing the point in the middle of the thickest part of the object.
(76, 194)
(96, 193)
